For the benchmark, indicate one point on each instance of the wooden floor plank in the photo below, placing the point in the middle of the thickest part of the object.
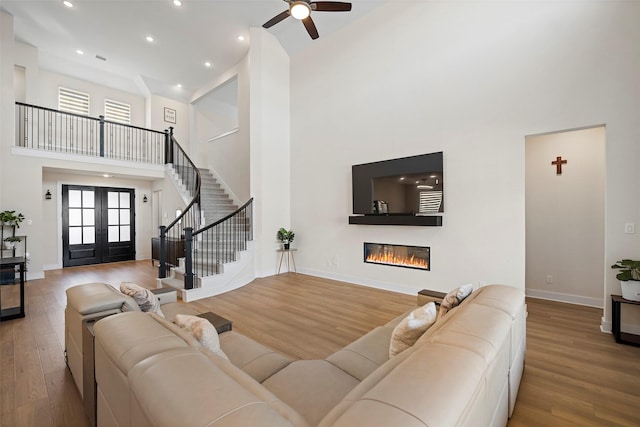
(574, 374)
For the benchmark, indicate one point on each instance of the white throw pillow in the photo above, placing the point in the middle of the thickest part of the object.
(146, 300)
(407, 332)
(202, 330)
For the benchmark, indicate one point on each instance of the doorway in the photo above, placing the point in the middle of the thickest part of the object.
(564, 211)
(98, 225)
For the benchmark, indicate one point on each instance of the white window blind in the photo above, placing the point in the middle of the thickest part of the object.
(73, 101)
(115, 111)
(430, 201)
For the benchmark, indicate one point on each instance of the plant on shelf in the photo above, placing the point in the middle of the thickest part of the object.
(10, 241)
(286, 237)
(10, 219)
(629, 277)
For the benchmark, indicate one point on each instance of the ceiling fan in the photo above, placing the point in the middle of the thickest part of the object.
(301, 9)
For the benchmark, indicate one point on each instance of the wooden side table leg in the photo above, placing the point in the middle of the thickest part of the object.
(280, 263)
(615, 319)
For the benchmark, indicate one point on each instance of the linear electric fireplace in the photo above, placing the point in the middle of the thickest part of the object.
(417, 257)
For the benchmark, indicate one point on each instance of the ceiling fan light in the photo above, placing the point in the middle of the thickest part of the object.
(300, 10)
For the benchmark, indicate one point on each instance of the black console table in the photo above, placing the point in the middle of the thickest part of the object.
(10, 264)
(621, 337)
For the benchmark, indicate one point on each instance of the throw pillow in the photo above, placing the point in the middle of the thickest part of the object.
(407, 332)
(202, 330)
(145, 299)
(454, 298)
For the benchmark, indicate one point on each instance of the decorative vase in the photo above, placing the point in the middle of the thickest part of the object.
(630, 289)
(287, 246)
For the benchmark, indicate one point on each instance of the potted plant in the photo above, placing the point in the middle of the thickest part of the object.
(10, 219)
(629, 277)
(286, 237)
(10, 242)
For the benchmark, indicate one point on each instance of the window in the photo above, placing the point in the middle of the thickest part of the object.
(73, 101)
(115, 111)
(430, 201)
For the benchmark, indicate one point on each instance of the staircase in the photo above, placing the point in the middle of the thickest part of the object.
(215, 203)
(221, 248)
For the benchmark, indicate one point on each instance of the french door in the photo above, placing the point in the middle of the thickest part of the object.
(98, 225)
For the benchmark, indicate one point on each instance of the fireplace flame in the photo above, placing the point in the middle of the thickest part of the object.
(404, 261)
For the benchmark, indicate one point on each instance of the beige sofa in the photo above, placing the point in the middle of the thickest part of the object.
(464, 371)
(93, 301)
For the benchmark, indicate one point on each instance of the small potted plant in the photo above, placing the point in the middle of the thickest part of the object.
(10, 242)
(629, 277)
(10, 219)
(286, 237)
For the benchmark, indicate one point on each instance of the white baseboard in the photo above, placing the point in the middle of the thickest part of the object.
(605, 327)
(51, 267)
(33, 275)
(394, 287)
(571, 299)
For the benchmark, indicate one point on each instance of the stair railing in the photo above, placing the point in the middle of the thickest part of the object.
(53, 130)
(217, 243)
(189, 218)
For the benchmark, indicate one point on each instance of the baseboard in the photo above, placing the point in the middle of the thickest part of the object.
(393, 287)
(605, 327)
(571, 299)
(51, 267)
(33, 275)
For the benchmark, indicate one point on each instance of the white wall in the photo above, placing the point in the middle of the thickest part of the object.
(155, 118)
(270, 150)
(49, 82)
(565, 216)
(470, 79)
(228, 157)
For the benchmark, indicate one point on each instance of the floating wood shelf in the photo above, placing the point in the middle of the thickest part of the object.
(432, 221)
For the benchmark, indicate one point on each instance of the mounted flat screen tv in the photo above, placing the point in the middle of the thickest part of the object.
(406, 186)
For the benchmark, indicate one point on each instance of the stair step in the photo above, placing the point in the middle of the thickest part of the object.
(172, 282)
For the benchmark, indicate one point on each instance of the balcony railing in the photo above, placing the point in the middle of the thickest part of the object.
(58, 131)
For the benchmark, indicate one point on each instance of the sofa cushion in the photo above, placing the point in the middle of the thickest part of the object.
(146, 300)
(94, 298)
(203, 393)
(255, 359)
(171, 309)
(202, 330)
(407, 332)
(311, 387)
(411, 390)
(367, 353)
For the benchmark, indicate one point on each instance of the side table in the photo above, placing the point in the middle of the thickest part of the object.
(621, 337)
(290, 258)
(220, 323)
(426, 296)
(10, 264)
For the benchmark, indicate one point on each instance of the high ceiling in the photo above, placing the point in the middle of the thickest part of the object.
(185, 37)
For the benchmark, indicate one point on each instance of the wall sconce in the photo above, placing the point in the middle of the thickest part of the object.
(47, 195)
(144, 199)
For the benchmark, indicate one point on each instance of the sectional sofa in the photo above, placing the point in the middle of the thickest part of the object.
(464, 371)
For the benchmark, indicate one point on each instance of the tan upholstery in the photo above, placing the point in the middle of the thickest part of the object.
(93, 301)
(311, 387)
(464, 372)
(257, 360)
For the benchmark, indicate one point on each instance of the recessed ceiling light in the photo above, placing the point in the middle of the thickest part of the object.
(106, 175)
(207, 64)
(179, 85)
(67, 3)
(79, 52)
(149, 39)
(177, 3)
(241, 38)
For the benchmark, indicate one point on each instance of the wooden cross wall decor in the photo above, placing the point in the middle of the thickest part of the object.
(558, 163)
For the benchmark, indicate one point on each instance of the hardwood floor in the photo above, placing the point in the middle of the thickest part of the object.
(574, 374)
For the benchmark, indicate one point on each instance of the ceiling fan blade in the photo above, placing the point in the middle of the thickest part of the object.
(311, 27)
(331, 6)
(279, 17)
